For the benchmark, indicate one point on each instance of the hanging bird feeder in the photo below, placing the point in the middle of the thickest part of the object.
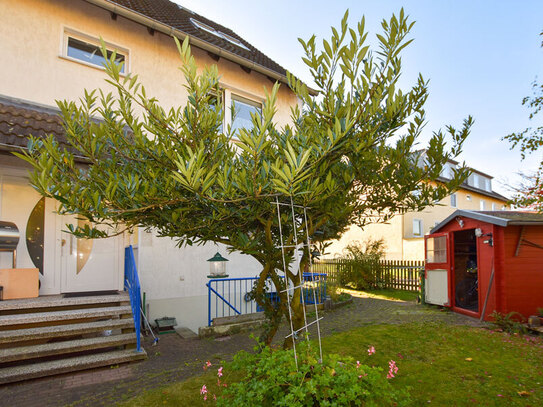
(217, 266)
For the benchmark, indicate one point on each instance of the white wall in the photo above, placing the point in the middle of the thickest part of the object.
(174, 279)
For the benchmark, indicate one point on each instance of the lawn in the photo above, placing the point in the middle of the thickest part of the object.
(442, 365)
(385, 294)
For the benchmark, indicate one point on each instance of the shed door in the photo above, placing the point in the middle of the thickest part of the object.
(437, 269)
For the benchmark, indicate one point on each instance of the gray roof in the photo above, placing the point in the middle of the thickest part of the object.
(499, 218)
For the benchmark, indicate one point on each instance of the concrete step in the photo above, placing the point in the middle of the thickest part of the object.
(186, 333)
(51, 301)
(66, 315)
(32, 371)
(58, 331)
(238, 319)
(58, 348)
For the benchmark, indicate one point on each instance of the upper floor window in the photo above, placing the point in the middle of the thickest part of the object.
(482, 205)
(493, 206)
(453, 200)
(241, 113)
(417, 227)
(87, 50)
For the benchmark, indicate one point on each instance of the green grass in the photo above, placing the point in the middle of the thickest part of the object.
(442, 365)
(388, 294)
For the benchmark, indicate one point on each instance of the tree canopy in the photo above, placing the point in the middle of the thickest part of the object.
(351, 155)
(530, 192)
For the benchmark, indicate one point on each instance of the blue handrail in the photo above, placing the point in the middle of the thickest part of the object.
(231, 297)
(132, 285)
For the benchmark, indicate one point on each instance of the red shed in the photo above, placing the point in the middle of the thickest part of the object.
(478, 262)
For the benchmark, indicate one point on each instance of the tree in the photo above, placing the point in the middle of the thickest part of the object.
(349, 156)
(530, 193)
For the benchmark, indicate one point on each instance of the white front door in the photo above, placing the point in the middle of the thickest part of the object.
(89, 264)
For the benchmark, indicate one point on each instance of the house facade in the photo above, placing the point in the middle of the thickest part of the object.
(404, 234)
(50, 51)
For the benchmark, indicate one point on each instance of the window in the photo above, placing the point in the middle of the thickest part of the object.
(475, 180)
(482, 205)
(214, 102)
(417, 227)
(436, 249)
(503, 208)
(217, 33)
(87, 51)
(241, 113)
(493, 206)
(453, 200)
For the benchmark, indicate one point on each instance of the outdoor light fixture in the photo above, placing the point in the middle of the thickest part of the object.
(460, 221)
(217, 266)
(478, 232)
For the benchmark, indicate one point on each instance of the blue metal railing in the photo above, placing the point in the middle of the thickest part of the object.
(132, 285)
(229, 296)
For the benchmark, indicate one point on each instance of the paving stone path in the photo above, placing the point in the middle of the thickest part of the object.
(175, 359)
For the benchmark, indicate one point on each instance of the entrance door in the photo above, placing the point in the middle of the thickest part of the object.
(89, 264)
(465, 276)
(437, 269)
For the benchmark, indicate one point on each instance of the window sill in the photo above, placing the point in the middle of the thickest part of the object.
(78, 61)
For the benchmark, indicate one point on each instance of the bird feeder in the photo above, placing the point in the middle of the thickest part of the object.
(217, 266)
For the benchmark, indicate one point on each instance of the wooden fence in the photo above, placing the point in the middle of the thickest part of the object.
(396, 274)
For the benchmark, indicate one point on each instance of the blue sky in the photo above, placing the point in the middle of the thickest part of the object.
(481, 58)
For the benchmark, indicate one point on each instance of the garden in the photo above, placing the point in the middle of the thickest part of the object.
(411, 364)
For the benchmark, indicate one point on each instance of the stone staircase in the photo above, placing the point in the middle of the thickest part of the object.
(51, 335)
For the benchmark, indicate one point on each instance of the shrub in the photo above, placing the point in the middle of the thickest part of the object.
(510, 323)
(362, 265)
(271, 379)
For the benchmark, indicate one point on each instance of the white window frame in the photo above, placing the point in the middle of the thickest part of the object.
(229, 92)
(493, 206)
(419, 223)
(454, 200)
(482, 205)
(77, 35)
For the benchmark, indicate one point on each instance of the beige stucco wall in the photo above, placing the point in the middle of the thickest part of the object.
(391, 232)
(435, 214)
(400, 242)
(32, 31)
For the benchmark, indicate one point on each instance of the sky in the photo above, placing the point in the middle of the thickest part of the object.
(481, 58)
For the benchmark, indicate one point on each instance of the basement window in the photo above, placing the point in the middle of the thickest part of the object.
(87, 51)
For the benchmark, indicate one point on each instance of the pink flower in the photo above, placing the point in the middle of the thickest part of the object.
(392, 369)
(219, 372)
(371, 350)
(357, 364)
(203, 390)
(214, 397)
(208, 364)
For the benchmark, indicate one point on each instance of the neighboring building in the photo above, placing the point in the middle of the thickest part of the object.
(49, 49)
(404, 233)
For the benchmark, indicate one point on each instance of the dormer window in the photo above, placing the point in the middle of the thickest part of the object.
(217, 33)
